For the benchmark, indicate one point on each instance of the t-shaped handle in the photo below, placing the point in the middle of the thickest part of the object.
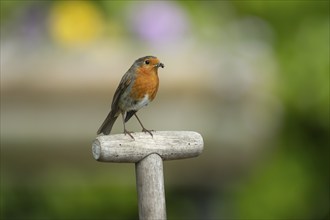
(148, 154)
(169, 145)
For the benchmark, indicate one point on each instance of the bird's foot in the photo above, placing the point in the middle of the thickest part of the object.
(147, 131)
(129, 133)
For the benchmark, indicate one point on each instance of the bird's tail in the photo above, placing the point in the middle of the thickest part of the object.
(108, 123)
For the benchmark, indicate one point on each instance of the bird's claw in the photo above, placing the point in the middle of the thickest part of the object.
(129, 133)
(148, 131)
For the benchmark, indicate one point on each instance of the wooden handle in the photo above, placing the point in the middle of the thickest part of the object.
(169, 145)
(150, 188)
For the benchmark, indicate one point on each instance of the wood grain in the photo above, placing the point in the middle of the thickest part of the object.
(150, 188)
(148, 154)
(169, 145)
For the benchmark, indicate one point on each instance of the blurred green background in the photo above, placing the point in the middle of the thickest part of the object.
(251, 76)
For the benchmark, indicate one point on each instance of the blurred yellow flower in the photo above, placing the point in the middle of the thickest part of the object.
(75, 23)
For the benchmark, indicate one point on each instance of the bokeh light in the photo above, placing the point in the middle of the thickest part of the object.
(75, 22)
(159, 22)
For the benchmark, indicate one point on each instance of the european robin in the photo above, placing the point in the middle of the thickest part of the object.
(137, 88)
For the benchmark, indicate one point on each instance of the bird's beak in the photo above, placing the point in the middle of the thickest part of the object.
(160, 65)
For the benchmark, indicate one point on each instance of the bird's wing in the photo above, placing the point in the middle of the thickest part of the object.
(122, 87)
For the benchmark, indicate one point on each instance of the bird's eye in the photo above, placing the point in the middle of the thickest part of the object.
(147, 62)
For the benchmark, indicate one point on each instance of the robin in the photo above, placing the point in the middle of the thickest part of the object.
(137, 89)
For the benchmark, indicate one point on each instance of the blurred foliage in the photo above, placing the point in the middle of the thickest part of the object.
(287, 186)
(290, 182)
(69, 201)
(305, 88)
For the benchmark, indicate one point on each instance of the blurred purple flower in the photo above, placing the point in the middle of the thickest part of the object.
(32, 22)
(159, 22)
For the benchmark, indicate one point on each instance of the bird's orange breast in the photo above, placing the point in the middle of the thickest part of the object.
(146, 83)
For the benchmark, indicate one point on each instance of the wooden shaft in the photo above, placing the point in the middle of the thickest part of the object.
(150, 188)
(148, 154)
(169, 145)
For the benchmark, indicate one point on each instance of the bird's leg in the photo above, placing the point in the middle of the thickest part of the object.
(143, 128)
(125, 131)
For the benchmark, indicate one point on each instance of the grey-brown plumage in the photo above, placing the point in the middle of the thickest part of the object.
(136, 89)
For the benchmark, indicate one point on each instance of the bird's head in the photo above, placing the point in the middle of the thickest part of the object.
(148, 63)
